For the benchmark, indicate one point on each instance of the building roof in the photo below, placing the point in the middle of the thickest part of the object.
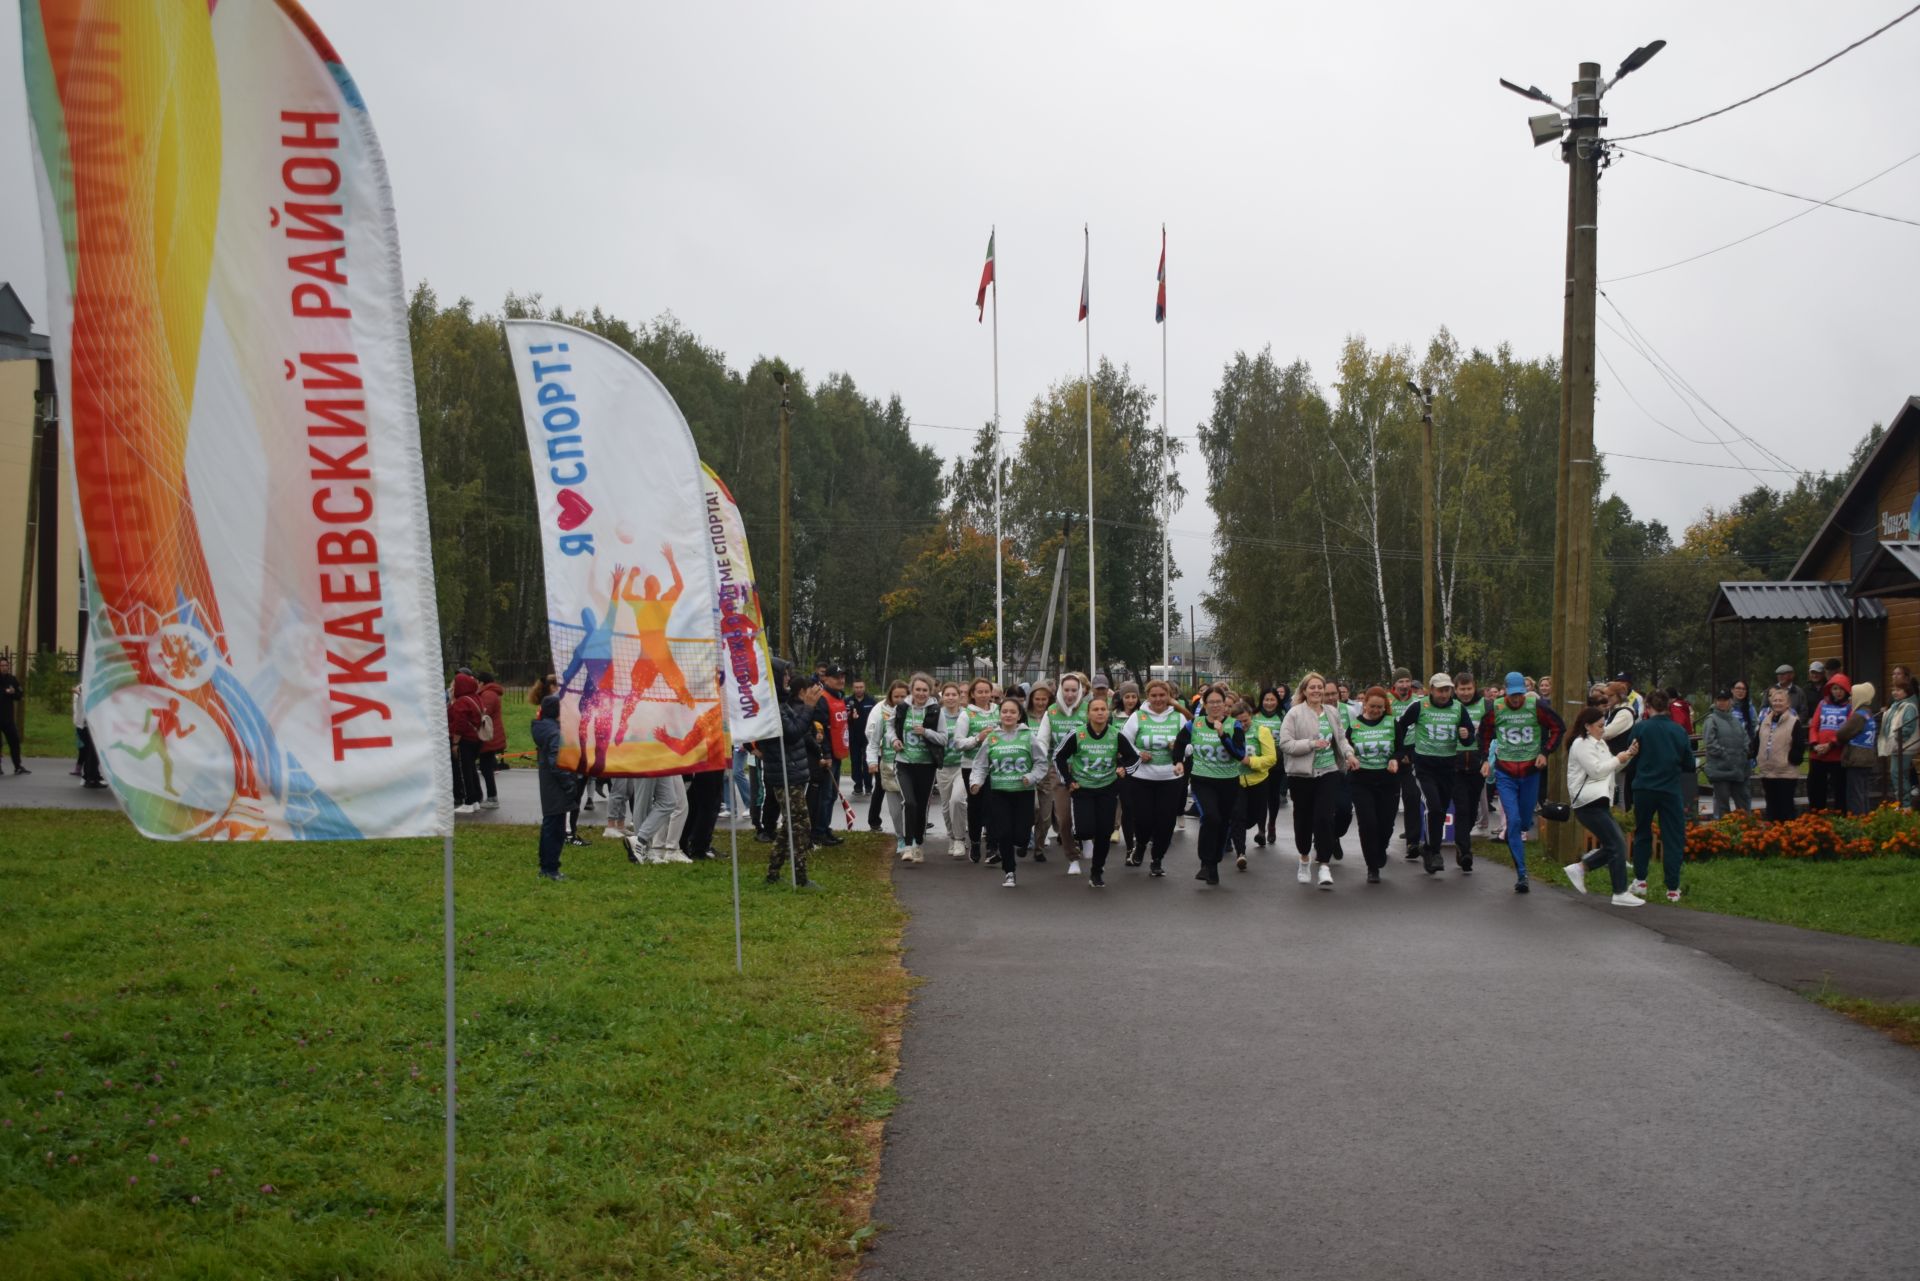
(1757, 602)
(1893, 569)
(1893, 446)
(17, 339)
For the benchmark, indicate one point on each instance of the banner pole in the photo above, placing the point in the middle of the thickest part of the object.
(733, 828)
(786, 809)
(1093, 655)
(999, 589)
(1166, 489)
(446, 877)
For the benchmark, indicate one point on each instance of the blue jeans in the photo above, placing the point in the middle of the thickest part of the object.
(857, 755)
(1519, 797)
(821, 798)
(742, 784)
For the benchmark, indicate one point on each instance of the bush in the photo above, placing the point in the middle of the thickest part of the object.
(1888, 832)
(51, 680)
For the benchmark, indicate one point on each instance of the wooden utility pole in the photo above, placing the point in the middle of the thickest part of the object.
(786, 519)
(1573, 537)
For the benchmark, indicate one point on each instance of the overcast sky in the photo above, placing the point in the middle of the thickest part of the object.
(817, 180)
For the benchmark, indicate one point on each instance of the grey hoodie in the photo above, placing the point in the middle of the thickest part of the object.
(1723, 740)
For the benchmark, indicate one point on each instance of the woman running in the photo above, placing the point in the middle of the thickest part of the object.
(1314, 743)
(1088, 761)
(1039, 700)
(1068, 716)
(1016, 762)
(981, 717)
(1379, 747)
(880, 764)
(915, 731)
(1264, 801)
(1256, 772)
(956, 741)
(1129, 696)
(1153, 751)
(1216, 745)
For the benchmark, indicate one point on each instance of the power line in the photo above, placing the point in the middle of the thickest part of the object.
(1742, 182)
(1684, 462)
(1707, 253)
(1783, 84)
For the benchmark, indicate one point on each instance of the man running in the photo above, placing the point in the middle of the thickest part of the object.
(1525, 732)
(651, 610)
(1397, 704)
(1435, 727)
(160, 724)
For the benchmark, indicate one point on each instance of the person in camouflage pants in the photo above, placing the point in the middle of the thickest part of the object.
(789, 777)
(792, 801)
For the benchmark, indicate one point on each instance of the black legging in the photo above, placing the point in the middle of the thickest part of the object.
(1437, 790)
(1316, 804)
(1376, 794)
(704, 794)
(1273, 795)
(1780, 793)
(466, 775)
(1215, 796)
(976, 816)
(1160, 802)
(916, 785)
(879, 798)
(1093, 813)
(489, 762)
(1011, 822)
(1129, 814)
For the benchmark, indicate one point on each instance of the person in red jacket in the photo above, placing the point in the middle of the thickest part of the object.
(463, 738)
(1826, 748)
(490, 749)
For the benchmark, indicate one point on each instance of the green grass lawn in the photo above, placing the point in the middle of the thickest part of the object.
(1869, 898)
(47, 733)
(223, 1061)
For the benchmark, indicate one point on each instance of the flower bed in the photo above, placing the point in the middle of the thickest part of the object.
(1888, 832)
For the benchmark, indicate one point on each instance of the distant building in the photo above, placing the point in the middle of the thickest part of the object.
(52, 599)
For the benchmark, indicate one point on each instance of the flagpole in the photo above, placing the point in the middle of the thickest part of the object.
(446, 880)
(1093, 648)
(999, 589)
(733, 829)
(1166, 478)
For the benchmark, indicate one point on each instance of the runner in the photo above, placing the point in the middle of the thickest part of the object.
(981, 717)
(1379, 746)
(1256, 777)
(1264, 801)
(1314, 744)
(1432, 729)
(1153, 751)
(886, 788)
(1016, 762)
(1088, 761)
(1068, 716)
(1528, 732)
(915, 722)
(1400, 699)
(956, 744)
(1472, 700)
(1039, 699)
(1216, 746)
(1129, 696)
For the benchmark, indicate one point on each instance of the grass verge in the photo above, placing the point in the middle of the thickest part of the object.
(1868, 898)
(226, 1060)
(1901, 1022)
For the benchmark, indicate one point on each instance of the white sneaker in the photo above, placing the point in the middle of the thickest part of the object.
(1073, 867)
(1673, 896)
(1625, 899)
(672, 854)
(906, 852)
(466, 809)
(1326, 876)
(1577, 873)
(725, 812)
(956, 849)
(914, 853)
(613, 833)
(1638, 887)
(491, 803)
(1006, 882)
(1306, 874)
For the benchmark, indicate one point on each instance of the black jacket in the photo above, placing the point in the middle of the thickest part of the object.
(558, 788)
(797, 732)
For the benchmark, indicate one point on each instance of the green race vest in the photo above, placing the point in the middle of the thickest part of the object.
(1154, 739)
(1211, 759)
(1373, 744)
(1065, 722)
(1436, 733)
(1273, 727)
(914, 751)
(1323, 759)
(1396, 707)
(886, 735)
(1517, 732)
(1010, 758)
(1095, 760)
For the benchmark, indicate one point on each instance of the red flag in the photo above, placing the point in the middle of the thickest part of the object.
(1160, 303)
(1085, 260)
(986, 278)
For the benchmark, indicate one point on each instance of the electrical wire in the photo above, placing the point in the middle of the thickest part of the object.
(1707, 253)
(1783, 84)
(1742, 182)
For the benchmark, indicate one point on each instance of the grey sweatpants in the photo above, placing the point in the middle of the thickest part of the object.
(646, 804)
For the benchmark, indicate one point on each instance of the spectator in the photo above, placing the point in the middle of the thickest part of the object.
(1724, 741)
(1826, 773)
(1746, 714)
(859, 708)
(704, 792)
(558, 787)
(1859, 758)
(463, 737)
(89, 757)
(1665, 756)
(12, 702)
(1796, 697)
(830, 715)
(803, 754)
(1899, 731)
(1591, 764)
(1680, 710)
(1782, 748)
(490, 748)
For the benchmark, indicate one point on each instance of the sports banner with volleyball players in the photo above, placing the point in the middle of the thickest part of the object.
(630, 576)
(747, 668)
(230, 343)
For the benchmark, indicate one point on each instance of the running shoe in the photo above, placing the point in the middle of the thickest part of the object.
(1241, 862)
(1638, 887)
(1039, 855)
(1625, 899)
(1373, 876)
(1156, 869)
(1673, 896)
(1521, 887)
(1326, 876)
(1006, 882)
(1096, 882)
(1577, 873)
(1306, 874)
(1073, 867)
(613, 833)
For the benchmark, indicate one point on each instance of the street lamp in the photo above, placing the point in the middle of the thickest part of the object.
(1428, 481)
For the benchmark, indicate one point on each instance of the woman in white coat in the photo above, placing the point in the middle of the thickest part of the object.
(1591, 765)
(1313, 742)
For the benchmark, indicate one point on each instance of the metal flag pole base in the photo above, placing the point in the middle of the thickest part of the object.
(739, 962)
(446, 877)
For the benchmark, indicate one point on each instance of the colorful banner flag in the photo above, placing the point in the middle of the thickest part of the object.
(753, 713)
(1086, 265)
(1160, 300)
(230, 343)
(986, 278)
(631, 598)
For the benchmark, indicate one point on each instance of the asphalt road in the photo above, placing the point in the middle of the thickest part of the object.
(1427, 1078)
